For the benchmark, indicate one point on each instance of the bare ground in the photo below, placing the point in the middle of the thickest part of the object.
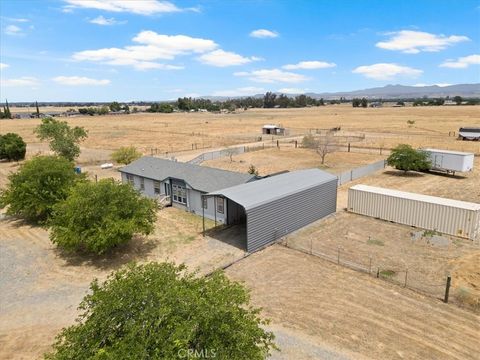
(41, 287)
(357, 315)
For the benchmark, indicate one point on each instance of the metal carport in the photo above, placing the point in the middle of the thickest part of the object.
(278, 205)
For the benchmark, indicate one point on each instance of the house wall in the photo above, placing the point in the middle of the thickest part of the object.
(275, 219)
(194, 200)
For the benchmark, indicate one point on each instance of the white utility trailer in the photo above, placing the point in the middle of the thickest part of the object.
(450, 161)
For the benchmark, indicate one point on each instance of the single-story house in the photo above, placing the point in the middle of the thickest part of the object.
(275, 206)
(182, 184)
(270, 129)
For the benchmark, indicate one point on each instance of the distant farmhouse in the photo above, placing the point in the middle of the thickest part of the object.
(265, 208)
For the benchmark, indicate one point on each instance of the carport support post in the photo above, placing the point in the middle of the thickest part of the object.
(203, 217)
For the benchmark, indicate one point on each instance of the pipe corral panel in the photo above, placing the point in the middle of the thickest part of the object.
(453, 217)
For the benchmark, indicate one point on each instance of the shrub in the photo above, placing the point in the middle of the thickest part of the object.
(252, 170)
(404, 157)
(38, 185)
(12, 147)
(125, 155)
(160, 311)
(96, 217)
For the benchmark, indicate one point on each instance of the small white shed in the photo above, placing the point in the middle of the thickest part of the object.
(450, 161)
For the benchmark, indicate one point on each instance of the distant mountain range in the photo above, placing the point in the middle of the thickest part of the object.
(390, 92)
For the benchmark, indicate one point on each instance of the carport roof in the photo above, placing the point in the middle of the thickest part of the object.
(256, 193)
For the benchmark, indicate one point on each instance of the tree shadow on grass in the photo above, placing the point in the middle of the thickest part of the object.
(136, 249)
(401, 173)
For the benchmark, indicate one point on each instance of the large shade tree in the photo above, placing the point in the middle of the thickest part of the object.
(37, 186)
(160, 311)
(404, 157)
(64, 140)
(96, 217)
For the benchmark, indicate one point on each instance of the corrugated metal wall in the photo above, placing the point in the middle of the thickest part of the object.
(270, 221)
(442, 218)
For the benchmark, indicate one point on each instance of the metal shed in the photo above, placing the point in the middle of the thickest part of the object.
(275, 206)
(453, 217)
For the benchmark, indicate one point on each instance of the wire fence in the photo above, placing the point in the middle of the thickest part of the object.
(438, 286)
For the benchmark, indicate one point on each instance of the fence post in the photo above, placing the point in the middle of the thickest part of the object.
(311, 246)
(348, 147)
(338, 255)
(378, 273)
(406, 277)
(370, 266)
(278, 144)
(447, 289)
(295, 144)
(96, 178)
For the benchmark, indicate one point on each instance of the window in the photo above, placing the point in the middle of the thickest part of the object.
(204, 202)
(142, 183)
(220, 207)
(156, 187)
(179, 194)
(130, 179)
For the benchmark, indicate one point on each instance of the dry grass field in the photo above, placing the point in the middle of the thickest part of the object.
(383, 127)
(361, 317)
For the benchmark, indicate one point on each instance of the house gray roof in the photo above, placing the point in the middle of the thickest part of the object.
(200, 178)
(256, 193)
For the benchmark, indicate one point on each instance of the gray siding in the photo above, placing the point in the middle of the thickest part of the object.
(194, 199)
(270, 221)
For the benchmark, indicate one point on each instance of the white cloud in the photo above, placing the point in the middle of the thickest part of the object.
(80, 81)
(462, 62)
(221, 58)
(309, 65)
(20, 20)
(263, 33)
(13, 30)
(243, 91)
(4, 66)
(141, 7)
(439, 85)
(413, 42)
(152, 46)
(386, 71)
(292, 91)
(100, 20)
(22, 81)
(272, 76)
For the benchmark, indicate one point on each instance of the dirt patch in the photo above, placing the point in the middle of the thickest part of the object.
(347, 310)
(275, 160)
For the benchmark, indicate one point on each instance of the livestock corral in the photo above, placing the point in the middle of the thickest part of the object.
(320, 306)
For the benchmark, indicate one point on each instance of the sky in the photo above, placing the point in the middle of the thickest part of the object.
(132, 50)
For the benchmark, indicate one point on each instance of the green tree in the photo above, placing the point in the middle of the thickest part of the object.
(63, 139)
(356, 102)
(404, 157)
(12, 147)
(115, 106)
(161, 311)
(38, 185)
(125, 155)
(458, 100)
(96, 217)
(6, 111)
(269, 100)
(364, 102)
(37, 110)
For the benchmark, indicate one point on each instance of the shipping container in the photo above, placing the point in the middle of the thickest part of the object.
(453, 217)
(450, 161)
